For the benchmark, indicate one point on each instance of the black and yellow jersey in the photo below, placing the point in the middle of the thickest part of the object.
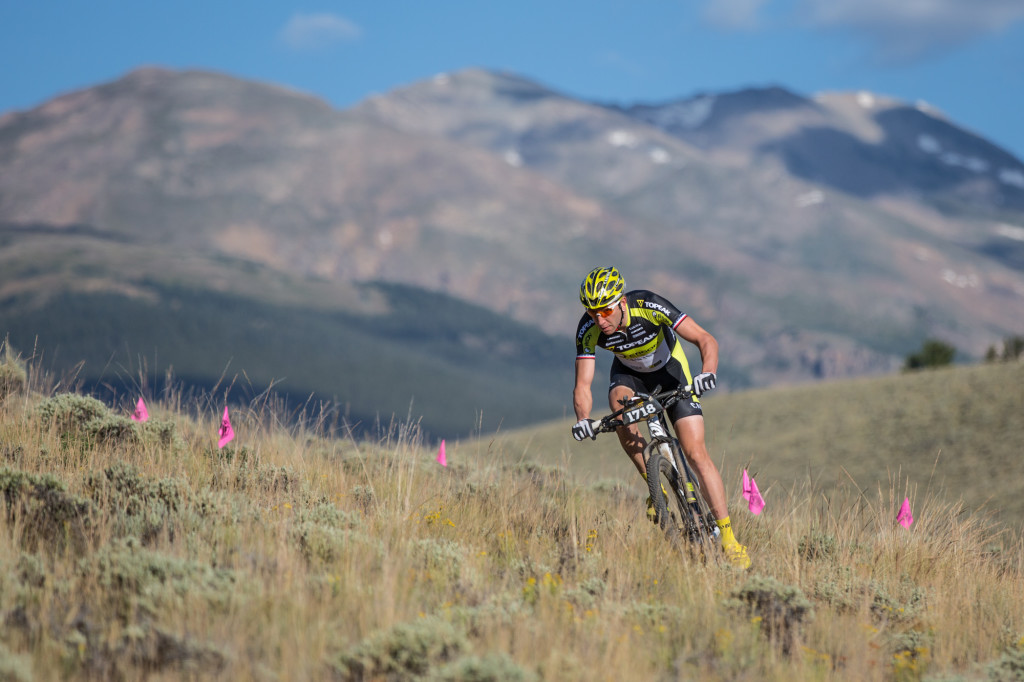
(647, 343)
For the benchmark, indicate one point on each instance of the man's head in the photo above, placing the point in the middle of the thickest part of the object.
(602, 288)
(601, 294)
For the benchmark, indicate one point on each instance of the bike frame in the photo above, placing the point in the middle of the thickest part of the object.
(652, 409)
(659, 435)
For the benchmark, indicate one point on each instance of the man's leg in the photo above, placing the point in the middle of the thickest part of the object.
(630, 439)
(690, 431)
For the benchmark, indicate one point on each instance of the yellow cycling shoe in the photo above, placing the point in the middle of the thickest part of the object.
(737, 555)
(652, 513)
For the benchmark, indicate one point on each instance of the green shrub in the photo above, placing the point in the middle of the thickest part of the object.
(587, 594)
(13, 375)
(86, 418)
(817, 545)
(30, 571)
(886, 608)
(11, 453)
(1009, 667)
(325, 543)
(327, 514)
(403, 651)
(136, 583)
(112, 429)
(137, 651)
(540, 476)
(782, 609)
(14, 667)
(364, 497)
(839, 590)
(136, 505)
(69, 412)
(151, 649)
(650, 615)
(1013, 349)
(933, 353)
(500, 612)
(441, 559)
(495, 667)
(241, 470)
(50, 516)
(163, 434)
(320, 544)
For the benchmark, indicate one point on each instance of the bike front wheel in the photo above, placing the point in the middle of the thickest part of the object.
(684, 515)
(663, 478)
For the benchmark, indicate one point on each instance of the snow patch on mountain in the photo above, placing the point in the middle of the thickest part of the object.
(928, 144)
(961, 281)
(623, 138)
(812, 198)
(1012, 176)
(865, 99)
(687, 115)
(660, 156)
(1010, 232)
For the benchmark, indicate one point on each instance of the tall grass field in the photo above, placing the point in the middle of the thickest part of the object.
(133, 551)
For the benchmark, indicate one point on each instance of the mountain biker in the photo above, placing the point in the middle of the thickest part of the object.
(640, 327)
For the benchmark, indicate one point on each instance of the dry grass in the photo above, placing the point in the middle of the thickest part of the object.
(957, 433)
(289, 555)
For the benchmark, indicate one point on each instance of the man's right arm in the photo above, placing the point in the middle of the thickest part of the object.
(582, 399)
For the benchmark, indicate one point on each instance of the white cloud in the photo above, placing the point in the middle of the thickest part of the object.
(733, 15)
(318, 31)
(904, 31)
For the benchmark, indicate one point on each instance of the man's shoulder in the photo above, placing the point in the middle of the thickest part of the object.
(639, 294)
(585, 324)
(653, 303)
(643, 296)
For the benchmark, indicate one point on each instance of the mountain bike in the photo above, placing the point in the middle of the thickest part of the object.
(668, 472)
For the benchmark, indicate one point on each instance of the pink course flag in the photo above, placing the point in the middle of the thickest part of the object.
(226, 433)
(441, 459)
(752, 495)
(905, 517)
(140, 414)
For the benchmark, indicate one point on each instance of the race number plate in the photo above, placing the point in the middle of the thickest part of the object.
(638, 413)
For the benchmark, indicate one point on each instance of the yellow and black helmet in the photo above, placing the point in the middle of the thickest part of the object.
(601, 288)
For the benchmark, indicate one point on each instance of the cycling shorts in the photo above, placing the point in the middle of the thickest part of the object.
(668, 377)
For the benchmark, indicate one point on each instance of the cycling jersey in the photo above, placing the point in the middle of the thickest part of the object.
(647, 343)
(648, 355)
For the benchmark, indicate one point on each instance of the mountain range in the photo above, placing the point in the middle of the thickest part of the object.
(420, 253)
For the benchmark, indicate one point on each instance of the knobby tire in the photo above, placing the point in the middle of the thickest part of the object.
(660, 473)
(689, 521)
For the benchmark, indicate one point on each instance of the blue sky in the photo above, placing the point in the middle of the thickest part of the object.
(965, 57)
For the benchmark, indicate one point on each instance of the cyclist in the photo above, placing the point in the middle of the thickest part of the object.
(640, 327)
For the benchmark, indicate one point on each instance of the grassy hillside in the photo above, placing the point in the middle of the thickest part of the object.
(398, 351)
(142, 551)
(953, 433)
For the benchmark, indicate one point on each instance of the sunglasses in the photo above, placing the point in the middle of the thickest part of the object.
(606, 312)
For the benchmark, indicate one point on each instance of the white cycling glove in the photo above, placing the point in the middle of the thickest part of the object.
(584, 428)
(703, 382)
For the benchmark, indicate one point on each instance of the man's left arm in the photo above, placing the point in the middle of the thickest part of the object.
(708, 347)
(705, 342)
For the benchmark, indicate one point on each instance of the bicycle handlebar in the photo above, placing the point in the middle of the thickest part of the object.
(664, 400)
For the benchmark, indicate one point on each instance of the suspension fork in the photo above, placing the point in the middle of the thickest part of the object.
(686, 481)
(657, 430)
